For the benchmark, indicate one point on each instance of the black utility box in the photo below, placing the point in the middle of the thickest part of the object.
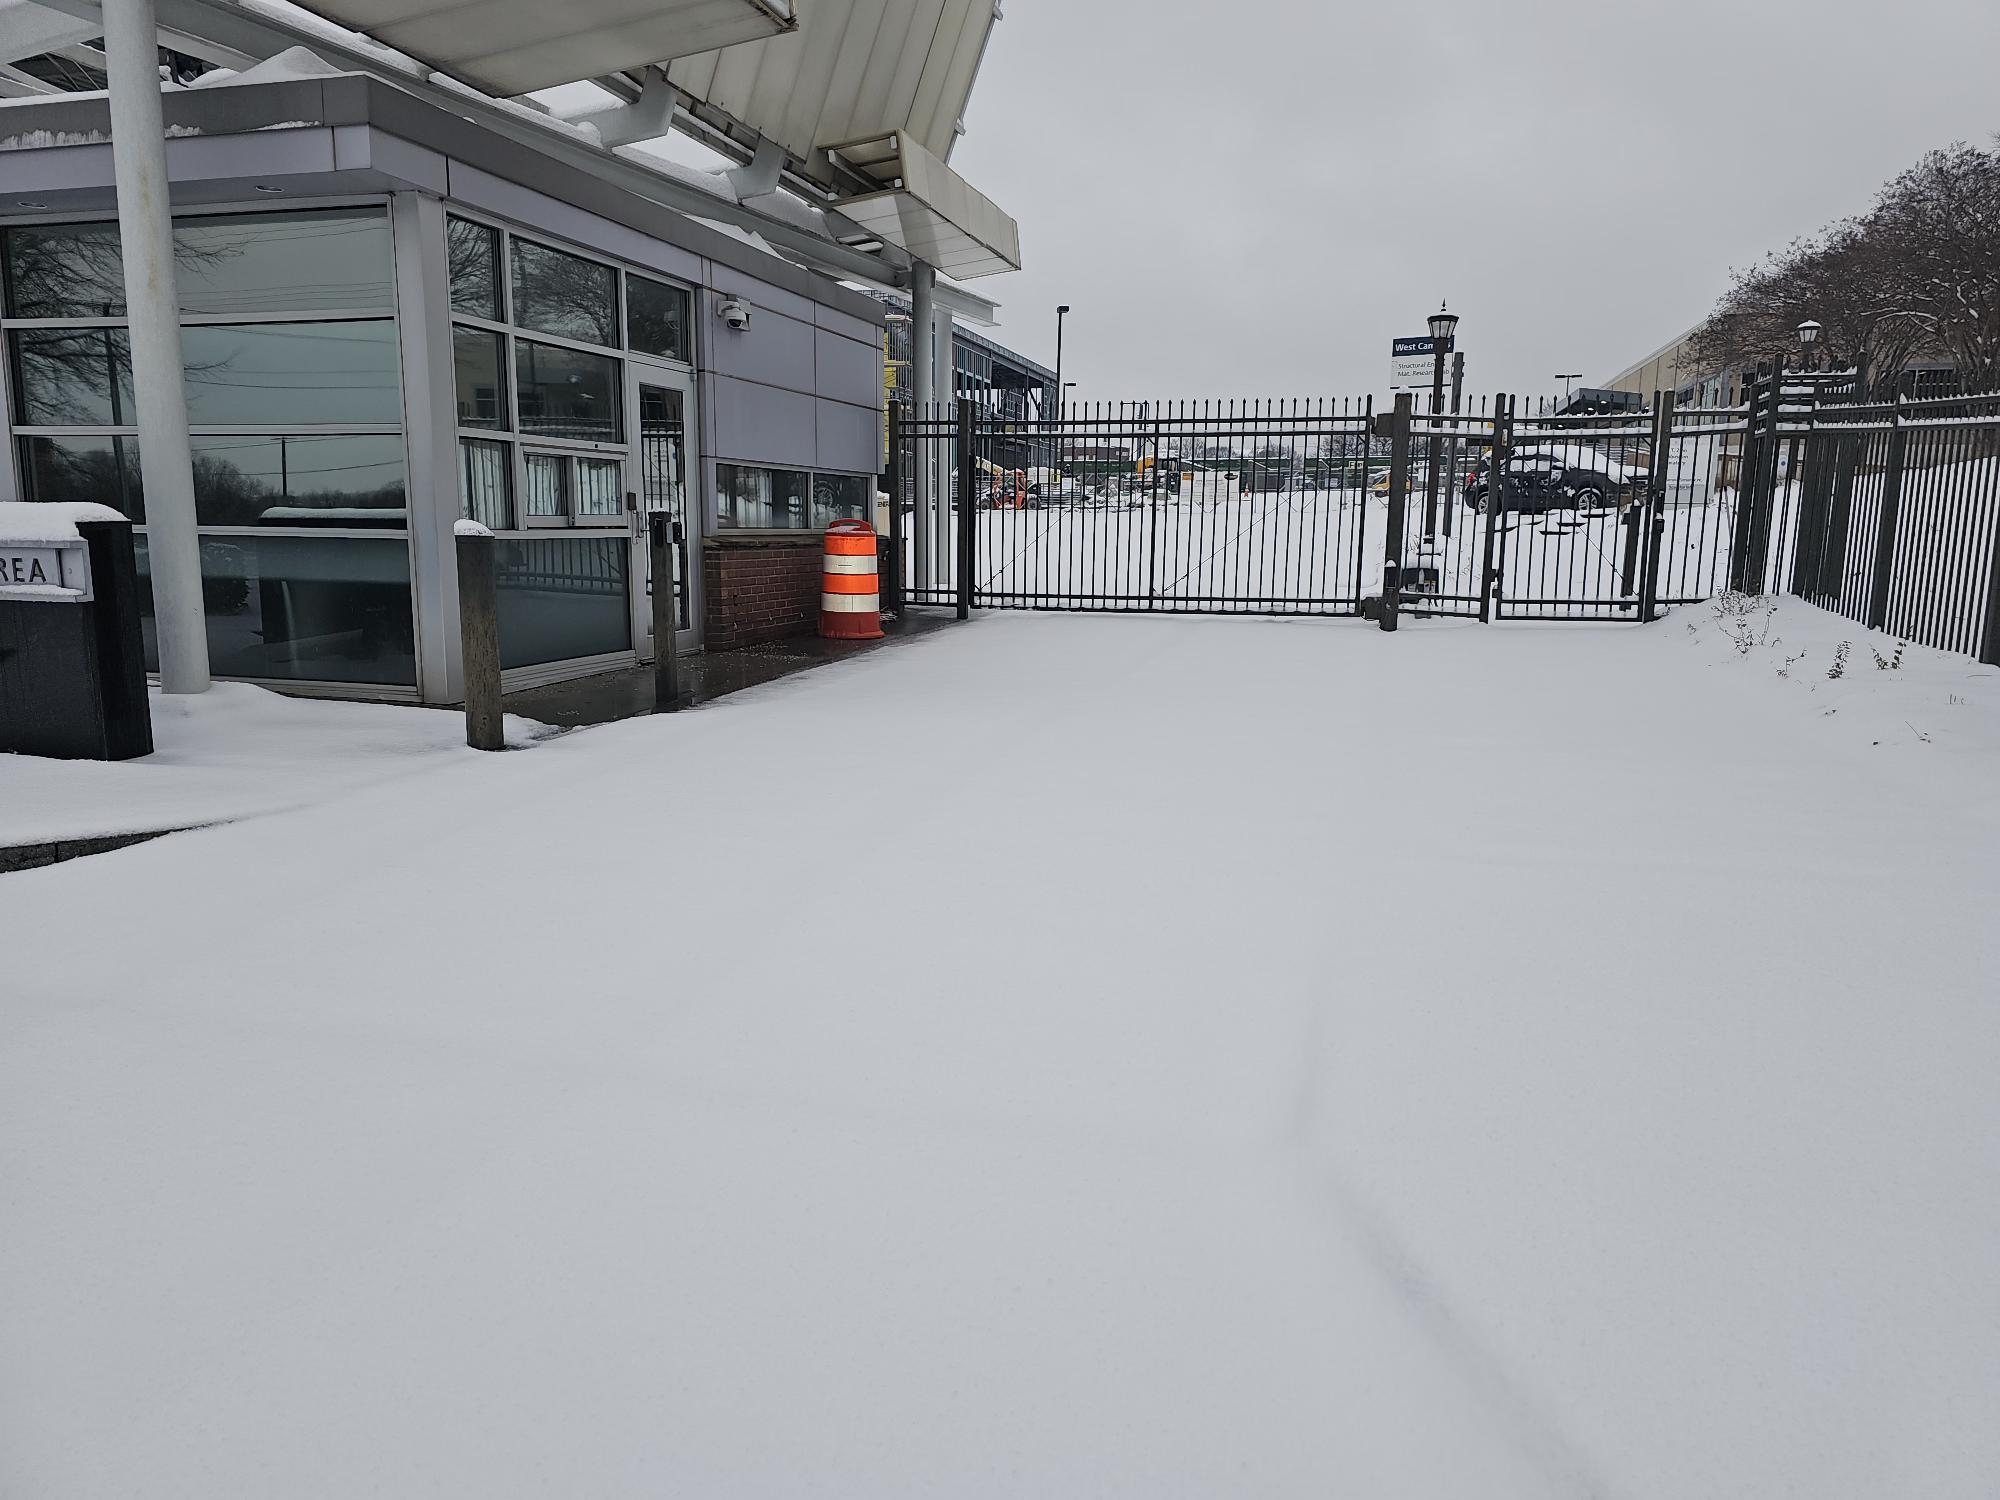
(72, 662)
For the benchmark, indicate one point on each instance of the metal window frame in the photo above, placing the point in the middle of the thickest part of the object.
(12, 485)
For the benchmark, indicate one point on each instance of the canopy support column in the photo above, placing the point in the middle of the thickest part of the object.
(923, 376)
(146, 237)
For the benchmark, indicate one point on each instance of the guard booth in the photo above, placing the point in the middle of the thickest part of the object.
(72, 664)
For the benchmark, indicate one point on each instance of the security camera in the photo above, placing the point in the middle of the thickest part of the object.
(735, 314)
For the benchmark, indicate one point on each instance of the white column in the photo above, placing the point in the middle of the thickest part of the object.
(146, 234)
(430, 424)
(923, 376)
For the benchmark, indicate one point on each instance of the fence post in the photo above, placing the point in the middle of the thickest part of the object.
(1655, 523)
(893, 592)
(968, 513)
(1153, 524)
(479, 640)
(1989, 634)
(1749, 469)
(663, 535)
(1885, 525)
(1496, 505)
(1399, 492)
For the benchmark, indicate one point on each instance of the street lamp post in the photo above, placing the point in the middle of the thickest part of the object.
(1442, 324)
(1808, 332)
(1061, 313)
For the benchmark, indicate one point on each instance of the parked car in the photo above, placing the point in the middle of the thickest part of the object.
(1559, 476)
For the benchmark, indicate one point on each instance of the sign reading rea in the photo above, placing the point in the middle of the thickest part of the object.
(45, 571)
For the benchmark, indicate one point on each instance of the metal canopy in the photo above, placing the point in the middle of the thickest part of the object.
(853, 70)
(515, 46)
(928, 209)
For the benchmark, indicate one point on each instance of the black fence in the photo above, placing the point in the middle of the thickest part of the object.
(1887, 511)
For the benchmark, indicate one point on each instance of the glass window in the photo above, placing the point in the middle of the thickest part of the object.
(72, 377)
(65, 271)
(656, 318)
(750, 498)
(840, 497)
(476, 363)
(548, 474)
(567, 393)
(284, 374)
(566, 295)
(300, 481)
(103, 470)
(561, 597)
(486, 483)
(284, 262)
(253, 374)
(316, 608)
(473, 253)
(599, 488)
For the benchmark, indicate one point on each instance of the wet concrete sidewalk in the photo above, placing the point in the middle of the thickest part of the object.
(608, 696)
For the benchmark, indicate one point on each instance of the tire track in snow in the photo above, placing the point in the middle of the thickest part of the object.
(1442, 1323)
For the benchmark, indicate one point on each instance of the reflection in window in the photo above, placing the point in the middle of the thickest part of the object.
(99, 470)
(299, 481)
(284, 374)
(320, 608)
(563, 294)
(284, 262)
(227, 263)
(473, 253)
(72, 377)
(476, 363)
(840, 497)
(656, 318)
(757, 498)
(561, 597)
(65, 271)
(485, 483)
(567, 393)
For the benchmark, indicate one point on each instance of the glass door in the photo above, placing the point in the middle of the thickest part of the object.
(664, 456)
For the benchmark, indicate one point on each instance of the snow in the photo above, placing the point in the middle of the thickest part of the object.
(1060, 1056)
(469, 528)
(51, 521)
(292, 64)
(233, 752)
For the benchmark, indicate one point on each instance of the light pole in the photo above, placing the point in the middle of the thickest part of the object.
(1442, 325)
(1061, 312)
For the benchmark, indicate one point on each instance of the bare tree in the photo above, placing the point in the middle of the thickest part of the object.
(1918, 274)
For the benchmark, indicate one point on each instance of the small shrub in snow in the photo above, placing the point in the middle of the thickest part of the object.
(1839, 667)
(1790, 662)
(1888, 663)
(1736, 612)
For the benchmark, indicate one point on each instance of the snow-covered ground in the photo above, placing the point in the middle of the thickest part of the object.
(232, 752)
(1241, 1058)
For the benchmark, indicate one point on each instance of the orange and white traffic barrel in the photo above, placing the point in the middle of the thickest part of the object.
(850, 593)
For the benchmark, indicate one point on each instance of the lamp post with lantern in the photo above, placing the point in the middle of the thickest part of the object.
(1442, 324)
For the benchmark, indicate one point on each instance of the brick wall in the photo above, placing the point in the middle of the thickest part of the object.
(760, 588)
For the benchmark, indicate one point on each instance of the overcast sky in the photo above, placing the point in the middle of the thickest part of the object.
(1252, 197)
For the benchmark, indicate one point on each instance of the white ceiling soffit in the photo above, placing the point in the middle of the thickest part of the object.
(929, 210)
(26, 30)
(508, 47)
(852, 70)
